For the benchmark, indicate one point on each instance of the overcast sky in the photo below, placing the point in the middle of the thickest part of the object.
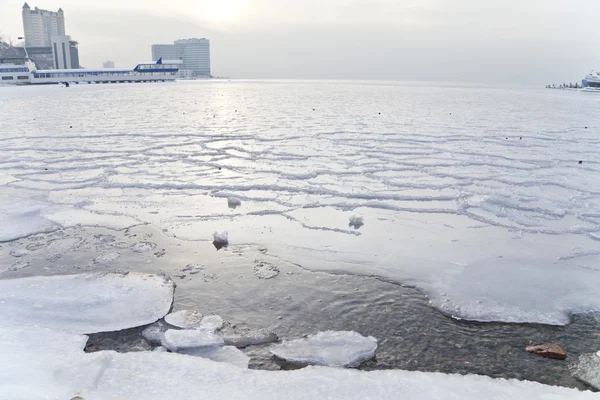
(492, 41)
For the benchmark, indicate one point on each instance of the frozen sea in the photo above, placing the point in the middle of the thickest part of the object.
(479, 205)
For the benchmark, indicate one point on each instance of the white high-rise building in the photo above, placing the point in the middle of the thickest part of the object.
(61, 52)
(194, 54)
(41, 25)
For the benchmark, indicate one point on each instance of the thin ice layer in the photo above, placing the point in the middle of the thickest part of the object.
(22, 217)
(330, 348)
(587, 369)
(184, 318)
(40, 363)
(86, 303)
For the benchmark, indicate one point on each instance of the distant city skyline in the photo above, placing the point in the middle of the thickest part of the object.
(493, 41)
(194, 54)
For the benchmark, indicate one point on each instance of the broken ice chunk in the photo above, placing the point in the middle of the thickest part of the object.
(211, 323)
(107, 257)
(155, 333)
(86, 303)
(191, 338)
(587, 369)
(143, 247)
(330, 348)
(233, 202)
(356, 222)
(220, 240)
(185, 319)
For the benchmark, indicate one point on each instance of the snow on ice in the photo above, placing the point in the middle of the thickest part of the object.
(330, 348)
(587, 369)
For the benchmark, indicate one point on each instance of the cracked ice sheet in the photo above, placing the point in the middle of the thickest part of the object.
(39, 363)
(86, 303)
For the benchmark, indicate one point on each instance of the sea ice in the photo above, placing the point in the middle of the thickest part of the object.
(18, 252)
(86, 303)
(22, 217)
(184, 319)
(227, 354)
(107, 257)
(178, 339)
(329, 348)
(587, 369)
(39, 363)
(220, 240)
(192, 269)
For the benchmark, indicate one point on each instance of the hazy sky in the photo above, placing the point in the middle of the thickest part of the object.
(495, 41)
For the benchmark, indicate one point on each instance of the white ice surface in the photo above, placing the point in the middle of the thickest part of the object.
(85, 303)
(39, 363)
(329, 348)
(185, 318)
(467, 191)
(211, 323)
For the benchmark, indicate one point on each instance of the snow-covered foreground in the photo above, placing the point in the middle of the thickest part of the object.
(39, 363)
(484, 198)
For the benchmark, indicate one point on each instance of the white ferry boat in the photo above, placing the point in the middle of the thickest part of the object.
(592, 80)
(14, 73)
(25, 73)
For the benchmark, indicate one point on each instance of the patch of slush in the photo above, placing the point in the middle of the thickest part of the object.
(86, 303)
(107, 257)
(185, 319)
(329, 348)
(192, 269)
(587, 369)
(265, 270)
(227, 354)
(15, 266)
(179, 339)
(18, 252)
(143, 247)
(41, 363)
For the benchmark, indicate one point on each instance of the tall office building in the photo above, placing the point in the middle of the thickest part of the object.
(64, 52)
(194, 54)
(41, 25)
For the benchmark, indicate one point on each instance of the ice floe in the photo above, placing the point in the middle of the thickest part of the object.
(329, 348)
(185, 319)
(247, 337)
(143, 247)
(41, 363)
(86, 303)
(107, 257)
(587, 369)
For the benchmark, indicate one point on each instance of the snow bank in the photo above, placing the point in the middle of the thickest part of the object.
(39, 363)
(330, 348)
(86, 303)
